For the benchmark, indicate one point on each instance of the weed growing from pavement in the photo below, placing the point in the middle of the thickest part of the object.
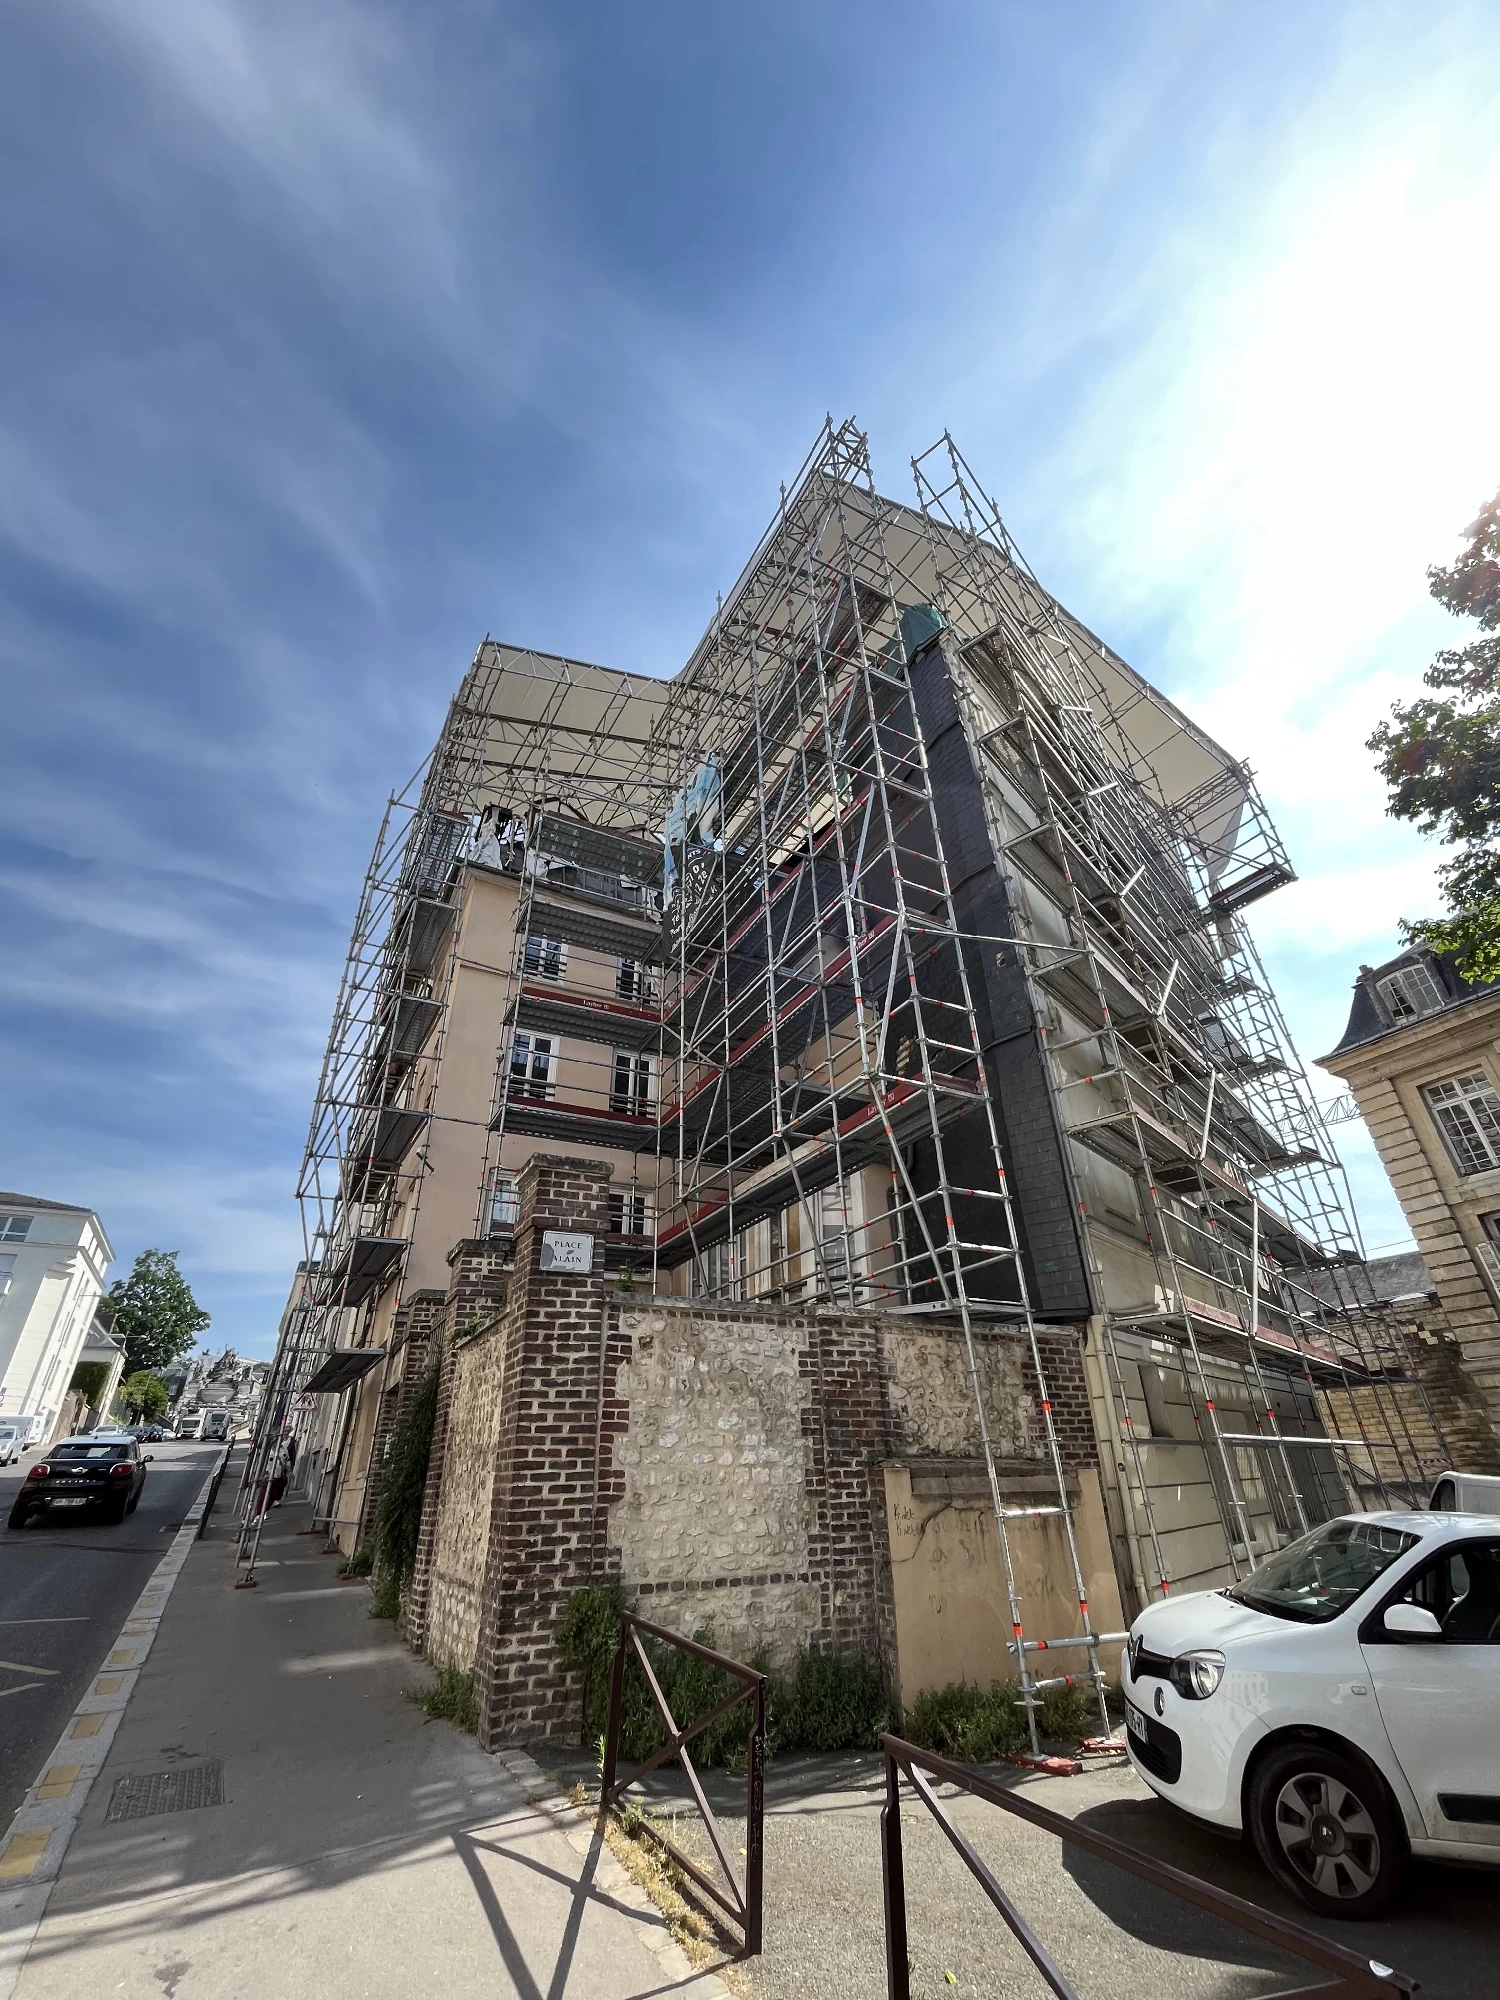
(360, 1563)
(981, 1725)
(450, 1698)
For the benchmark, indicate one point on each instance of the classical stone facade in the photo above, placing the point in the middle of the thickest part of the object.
(1421, 1054)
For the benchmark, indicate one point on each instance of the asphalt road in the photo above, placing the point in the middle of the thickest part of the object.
(65, 1591)
(1116, 1938)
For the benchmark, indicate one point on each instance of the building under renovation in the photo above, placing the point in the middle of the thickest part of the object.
(824, 1118)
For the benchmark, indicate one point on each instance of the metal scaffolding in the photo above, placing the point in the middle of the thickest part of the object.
(796, 931)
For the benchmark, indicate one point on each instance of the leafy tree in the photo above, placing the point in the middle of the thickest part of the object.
(156, 1316)
(145, 1396)
(1441, 758)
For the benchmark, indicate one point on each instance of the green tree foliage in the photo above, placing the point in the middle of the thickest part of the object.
(89, 1378)
(145, 1396)
(1440, 756)
(156, 1316)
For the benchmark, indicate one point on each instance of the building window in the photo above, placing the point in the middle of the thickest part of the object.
(631, 1213)
(630, 1088)
(637, 982)
(532, 1061)
(1411, 992)
(13, 1228)
(505, 1202)
(545, 958)
(1466, 1111)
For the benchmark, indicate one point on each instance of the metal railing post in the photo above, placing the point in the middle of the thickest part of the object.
(755, 1827)
(893, 1873)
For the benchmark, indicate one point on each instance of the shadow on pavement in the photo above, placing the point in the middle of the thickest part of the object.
(1445, 1930)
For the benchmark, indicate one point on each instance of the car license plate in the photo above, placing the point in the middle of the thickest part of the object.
(81, 1501)
(1135, 1722)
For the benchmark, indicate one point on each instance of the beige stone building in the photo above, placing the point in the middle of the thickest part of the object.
(824, 1119)
(1421, 1054)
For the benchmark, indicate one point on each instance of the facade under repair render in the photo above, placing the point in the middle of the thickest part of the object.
(825, 1119)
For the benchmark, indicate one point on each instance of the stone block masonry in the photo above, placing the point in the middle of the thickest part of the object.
(725, 1464)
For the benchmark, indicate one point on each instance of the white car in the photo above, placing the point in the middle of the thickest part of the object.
(10, 1444)
(1341, 1703)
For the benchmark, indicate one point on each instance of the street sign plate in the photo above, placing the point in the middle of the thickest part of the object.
(562, 1252)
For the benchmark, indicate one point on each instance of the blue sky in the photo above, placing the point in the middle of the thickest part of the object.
(337, 336)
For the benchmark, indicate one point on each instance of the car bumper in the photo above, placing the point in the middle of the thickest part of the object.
(1194, 1752)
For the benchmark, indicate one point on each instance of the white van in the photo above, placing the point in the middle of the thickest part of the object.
(1465, 1493)
(190, 1425)
(217, 1425)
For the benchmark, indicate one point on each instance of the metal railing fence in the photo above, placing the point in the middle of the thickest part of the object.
(1355, 1977)
(746, 1895)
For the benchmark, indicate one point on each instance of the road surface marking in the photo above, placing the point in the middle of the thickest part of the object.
(23, 1853)
(16, 1668)
(81, 1619)
(30, 1858)
(21, 1689)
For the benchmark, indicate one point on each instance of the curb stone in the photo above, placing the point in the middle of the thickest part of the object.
(612, 1876)
(36, 1843)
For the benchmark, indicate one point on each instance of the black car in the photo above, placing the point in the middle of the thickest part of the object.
(83, 1472)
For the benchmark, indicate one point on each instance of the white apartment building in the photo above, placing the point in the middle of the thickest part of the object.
(53, 1258)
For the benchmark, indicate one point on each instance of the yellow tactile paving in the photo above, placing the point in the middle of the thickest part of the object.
(24, 1852)
(122, 1656)
(59, 1781)
(86, 1725)
(109, 1684)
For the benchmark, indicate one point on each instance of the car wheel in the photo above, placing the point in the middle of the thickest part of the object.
(1324, 1826)
(19, 1516)
(115, 1511)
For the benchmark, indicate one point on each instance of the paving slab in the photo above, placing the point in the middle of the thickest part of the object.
(275, 1816)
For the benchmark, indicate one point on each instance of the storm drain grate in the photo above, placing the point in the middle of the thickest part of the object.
(167, 1791)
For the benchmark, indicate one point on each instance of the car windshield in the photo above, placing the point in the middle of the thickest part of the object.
(1313, 1580)
(90, 1451)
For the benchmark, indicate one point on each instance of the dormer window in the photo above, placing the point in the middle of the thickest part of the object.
(13, 1228)
(1411, 992)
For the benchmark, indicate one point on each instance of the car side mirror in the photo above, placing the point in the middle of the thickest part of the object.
(147, 1457)
(1411, 1621)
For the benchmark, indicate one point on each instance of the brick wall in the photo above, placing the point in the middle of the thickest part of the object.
(545, 1489)
(412, 1327)
(724, 1463)
(473, 1302)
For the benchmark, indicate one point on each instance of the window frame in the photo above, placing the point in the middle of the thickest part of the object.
(8, 1231)
(523, 1082)
(545, 947)
(638, 1099)
(1404, 979)
(1470, 1088)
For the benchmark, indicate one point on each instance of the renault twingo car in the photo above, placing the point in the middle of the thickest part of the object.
(1341, 1704)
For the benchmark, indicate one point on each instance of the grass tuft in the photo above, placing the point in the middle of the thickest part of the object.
(450, 1698)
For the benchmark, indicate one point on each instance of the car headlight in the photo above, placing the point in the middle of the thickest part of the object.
(1197, 1675)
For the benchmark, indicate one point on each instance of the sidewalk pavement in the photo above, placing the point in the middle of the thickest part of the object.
(359, 1851)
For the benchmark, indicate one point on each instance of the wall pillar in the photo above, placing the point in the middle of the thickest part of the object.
(543, 1524)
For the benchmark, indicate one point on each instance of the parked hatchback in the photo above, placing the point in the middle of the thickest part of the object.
(1341, 1704)
(78, 1473)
